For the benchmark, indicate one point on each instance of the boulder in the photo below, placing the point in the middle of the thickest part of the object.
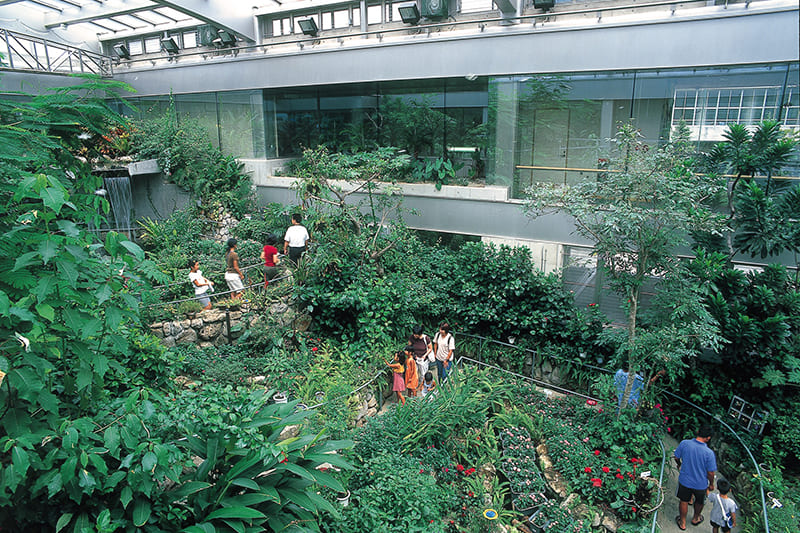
(206, 344)
(187, 336)
(210, 332)
(611, 523)
(236, 315)
(289, 432)
(196, 323)
(169, 341)
(212, 315)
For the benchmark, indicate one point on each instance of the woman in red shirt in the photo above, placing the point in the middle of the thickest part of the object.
(271, 260)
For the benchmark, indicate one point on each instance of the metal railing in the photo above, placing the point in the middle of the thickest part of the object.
(716, 418)
(427, 30)
(25, 52)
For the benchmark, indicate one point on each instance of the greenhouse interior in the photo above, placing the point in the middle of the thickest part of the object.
(435, 266)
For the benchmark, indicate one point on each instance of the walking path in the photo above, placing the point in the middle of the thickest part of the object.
(669, 510)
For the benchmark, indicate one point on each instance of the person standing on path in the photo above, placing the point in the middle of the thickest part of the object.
(443, 346)
(270, 256)
(422, 349)
(200, 284)
(296, 238)
(233, 276)
(698, 467)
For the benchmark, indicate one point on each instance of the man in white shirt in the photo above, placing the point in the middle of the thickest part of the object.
(294, 242)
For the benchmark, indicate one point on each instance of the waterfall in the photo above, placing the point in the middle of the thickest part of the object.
(119, 196)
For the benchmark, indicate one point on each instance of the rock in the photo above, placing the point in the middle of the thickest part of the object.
(210, 331)
(611, 523)
(197, 323)
(188, 336)
(372, 401)
(570, 501)
(156, 325)
(278, 308)
(169, 341)
(212, 315)
(595, 520)
(158, 332)
(236, 315)
(302, 323)
(259, 379)
(372, 412)
(206, 344)
(185, 324)
(289, 432)
(172, 329)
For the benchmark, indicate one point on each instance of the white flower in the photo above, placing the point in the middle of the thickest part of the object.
(23, 341)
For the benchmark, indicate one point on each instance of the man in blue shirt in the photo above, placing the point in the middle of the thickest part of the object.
(697, 466)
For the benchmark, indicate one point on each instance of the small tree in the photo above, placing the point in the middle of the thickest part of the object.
(637, 216)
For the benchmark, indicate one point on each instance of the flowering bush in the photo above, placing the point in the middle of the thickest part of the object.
(552, 518)
(527, 501)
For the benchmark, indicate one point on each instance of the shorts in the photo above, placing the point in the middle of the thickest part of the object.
(203, 299)
(725, 529)
(234, 281)
(685, 494)
(270, 273)
(296, 252)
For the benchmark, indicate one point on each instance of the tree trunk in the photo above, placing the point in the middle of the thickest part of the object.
(634, 302)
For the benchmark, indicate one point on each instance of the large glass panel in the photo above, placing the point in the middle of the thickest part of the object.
(296, 121)
(412, 117)
(241, 123)
(201, 109)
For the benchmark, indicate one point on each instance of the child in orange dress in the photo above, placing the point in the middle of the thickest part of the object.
(398, 383)
(412, 378)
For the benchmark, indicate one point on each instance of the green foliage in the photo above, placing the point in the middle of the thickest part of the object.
(187, 157)
(765, 225)
(92, 434)
(637, 216)
(440, 171)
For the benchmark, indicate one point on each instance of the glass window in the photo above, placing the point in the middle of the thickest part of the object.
(152, 45)
(189, 39)
(135, 47)
(327, 20)
(476, 6)
(201, 109)
(276, 27)
(341, 19)
(374, 14)
(241, 123)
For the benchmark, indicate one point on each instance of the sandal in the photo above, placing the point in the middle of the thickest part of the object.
(699, 521)
(678, 523)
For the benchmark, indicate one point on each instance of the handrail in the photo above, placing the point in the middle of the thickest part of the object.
(660, 389)
(480, 22)
(214, 294)
(33, 59)
(616, 171)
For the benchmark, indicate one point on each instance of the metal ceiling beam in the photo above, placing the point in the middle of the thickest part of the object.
(9, 2)
(235, 17)
(92, 12)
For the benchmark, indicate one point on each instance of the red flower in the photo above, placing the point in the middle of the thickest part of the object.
(597, 482)
(591, 402)
(421, 470)
(314, 349)
(606, 470)
(470, 494)
(445, 469)
(633, 509)
(588, 469)
(460, 468)
(597, 452)
(620, 476)
(469, 471)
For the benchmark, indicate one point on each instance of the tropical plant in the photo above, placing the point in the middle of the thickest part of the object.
(637, 216)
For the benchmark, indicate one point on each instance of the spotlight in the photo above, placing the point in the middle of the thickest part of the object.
(308, 27)
(226, 38)
(169, 45)
(122, 51)
(409, 13)
(544, 5)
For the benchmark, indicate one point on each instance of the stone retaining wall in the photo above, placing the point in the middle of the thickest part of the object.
(208, 328)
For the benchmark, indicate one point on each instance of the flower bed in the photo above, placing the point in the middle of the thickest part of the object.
(527, 502)
(550, 517)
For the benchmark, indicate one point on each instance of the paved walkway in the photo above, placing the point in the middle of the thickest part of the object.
(669, 509)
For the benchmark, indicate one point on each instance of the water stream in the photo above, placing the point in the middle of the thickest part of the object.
(119, 196)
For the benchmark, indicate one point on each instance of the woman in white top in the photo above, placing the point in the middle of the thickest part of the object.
(443, 346)
(200, 284)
